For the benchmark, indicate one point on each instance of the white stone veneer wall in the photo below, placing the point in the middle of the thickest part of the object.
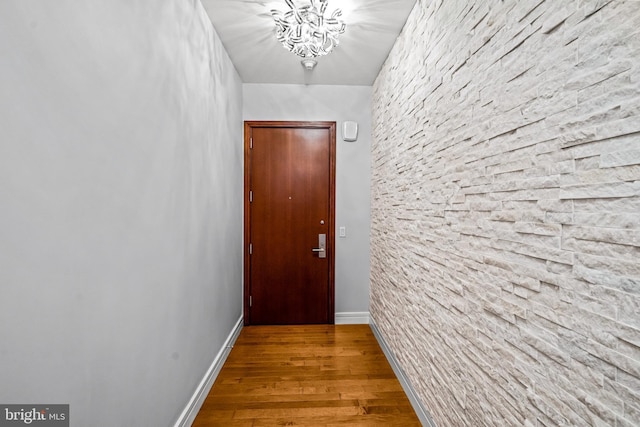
(506, 210)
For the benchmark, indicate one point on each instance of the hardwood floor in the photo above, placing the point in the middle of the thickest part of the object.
(320, 375)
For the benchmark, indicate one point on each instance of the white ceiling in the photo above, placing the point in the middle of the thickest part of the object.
(247, 31)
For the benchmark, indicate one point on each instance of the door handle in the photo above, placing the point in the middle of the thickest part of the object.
(322, 245)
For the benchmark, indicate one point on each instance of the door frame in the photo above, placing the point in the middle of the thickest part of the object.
(248, 126)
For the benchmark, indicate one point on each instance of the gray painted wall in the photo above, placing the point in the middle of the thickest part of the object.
(506, 210)
(121, 193)
(353, 169)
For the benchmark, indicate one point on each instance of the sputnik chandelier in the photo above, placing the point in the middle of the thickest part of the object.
(306, 31)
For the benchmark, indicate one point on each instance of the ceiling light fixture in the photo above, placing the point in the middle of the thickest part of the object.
(306, 31)
(309, 63)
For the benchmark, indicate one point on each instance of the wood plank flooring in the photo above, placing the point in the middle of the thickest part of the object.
(319, 375)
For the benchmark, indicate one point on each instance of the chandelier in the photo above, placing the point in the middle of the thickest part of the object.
(306, 31)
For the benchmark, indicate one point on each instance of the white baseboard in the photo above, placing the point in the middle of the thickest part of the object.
(421, 411)
(189, 413)
(352, 318)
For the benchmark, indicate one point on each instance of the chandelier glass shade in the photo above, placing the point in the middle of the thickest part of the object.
(306, 30)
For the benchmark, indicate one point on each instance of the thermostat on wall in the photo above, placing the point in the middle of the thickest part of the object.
(350, 131)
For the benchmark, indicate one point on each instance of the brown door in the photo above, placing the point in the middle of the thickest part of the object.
(289, 207)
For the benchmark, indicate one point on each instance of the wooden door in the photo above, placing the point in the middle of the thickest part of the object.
(289, 204)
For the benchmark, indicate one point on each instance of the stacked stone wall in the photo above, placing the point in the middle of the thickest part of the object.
(506, 210)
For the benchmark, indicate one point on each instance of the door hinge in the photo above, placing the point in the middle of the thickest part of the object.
(250, 196)
(250, 301)
(250, 249)
(251, 142)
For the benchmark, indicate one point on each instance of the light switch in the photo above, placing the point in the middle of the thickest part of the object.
(343, 232)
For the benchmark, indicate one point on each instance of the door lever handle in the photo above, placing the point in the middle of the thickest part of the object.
(322, 243)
